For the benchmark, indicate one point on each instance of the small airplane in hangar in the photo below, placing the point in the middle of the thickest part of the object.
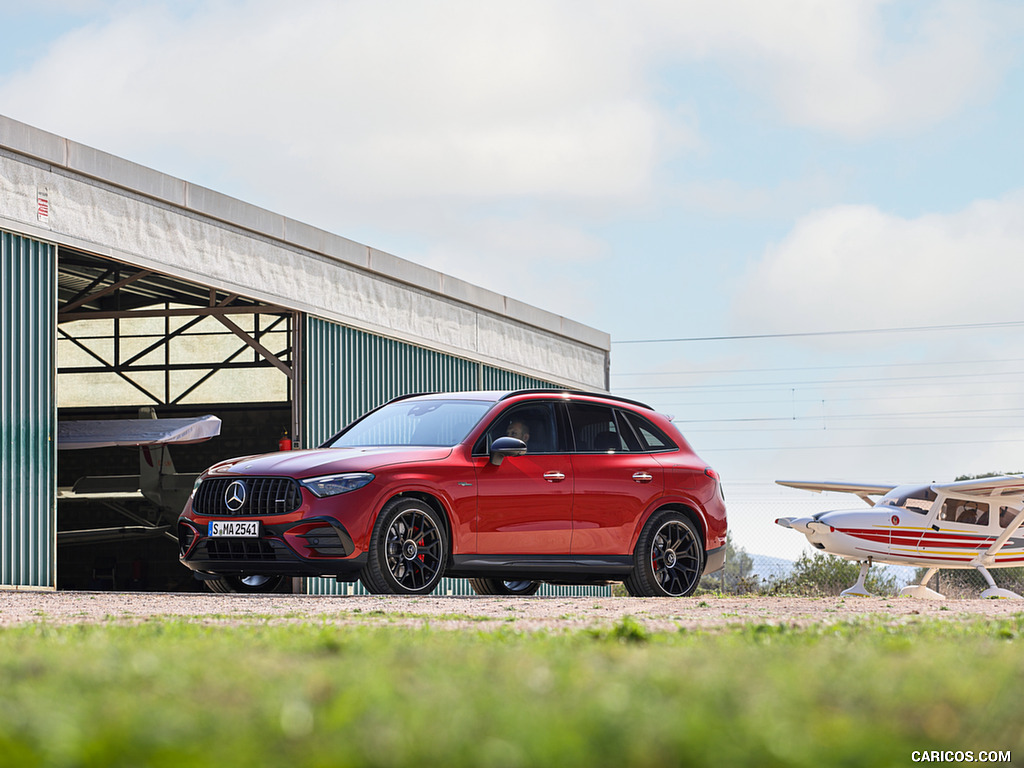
(966, 524)
(157, 483)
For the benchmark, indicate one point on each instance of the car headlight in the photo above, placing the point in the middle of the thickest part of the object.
(332, 485)
(196, 484)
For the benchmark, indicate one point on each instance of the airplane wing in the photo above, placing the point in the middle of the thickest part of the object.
(1008, 485)
(860, 489)
(76, 435)
(863, 491)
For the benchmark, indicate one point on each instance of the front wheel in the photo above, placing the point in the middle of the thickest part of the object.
(251, 584)
(522, 588)
(408, 550)
(669, 558)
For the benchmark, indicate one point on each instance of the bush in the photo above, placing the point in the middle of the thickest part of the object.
(737, 576)
(966, 583)
(830, 575)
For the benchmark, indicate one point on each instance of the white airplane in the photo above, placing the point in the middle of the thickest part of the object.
(968, 524)
(158, 482)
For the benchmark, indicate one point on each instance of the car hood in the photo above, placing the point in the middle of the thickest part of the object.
(323, 461)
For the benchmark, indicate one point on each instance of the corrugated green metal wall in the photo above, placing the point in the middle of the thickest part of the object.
(28, 275)
(346, 372)
(498, 378)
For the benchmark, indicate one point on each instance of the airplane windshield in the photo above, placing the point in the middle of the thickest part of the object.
(911, 498)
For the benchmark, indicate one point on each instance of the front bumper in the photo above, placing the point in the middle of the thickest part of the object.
(310, 547)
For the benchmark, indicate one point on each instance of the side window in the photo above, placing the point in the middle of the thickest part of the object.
(651, 438)
(968, 512)
(533, 423)
(595, 430)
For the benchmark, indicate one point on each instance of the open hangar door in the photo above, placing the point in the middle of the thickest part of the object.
(133, 344)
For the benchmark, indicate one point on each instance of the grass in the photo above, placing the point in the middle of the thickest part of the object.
(172, 692)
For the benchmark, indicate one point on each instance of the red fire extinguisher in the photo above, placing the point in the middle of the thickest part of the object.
(285, 443)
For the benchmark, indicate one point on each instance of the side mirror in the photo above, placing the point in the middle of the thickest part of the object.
(504, 447)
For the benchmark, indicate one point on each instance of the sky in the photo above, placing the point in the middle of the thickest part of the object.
(801, 222)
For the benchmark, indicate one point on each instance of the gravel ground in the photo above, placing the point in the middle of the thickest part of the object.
(523, 613)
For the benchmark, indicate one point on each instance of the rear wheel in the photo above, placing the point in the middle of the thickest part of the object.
(669, 557)
(253, 583)
(522, 588)
(408, 550)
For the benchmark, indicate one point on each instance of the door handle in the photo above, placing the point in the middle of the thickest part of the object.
(554, 476)
(643, 477)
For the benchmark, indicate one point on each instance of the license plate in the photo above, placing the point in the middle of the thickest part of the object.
(249, 529)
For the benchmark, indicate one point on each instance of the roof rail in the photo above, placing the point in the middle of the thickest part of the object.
(553, 391)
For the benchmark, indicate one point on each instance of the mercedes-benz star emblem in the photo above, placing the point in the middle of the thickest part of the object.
(234, 496)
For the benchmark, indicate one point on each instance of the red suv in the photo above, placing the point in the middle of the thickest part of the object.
(508, 489)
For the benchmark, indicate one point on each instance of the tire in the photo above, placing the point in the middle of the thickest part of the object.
(669, 557)
(521, 588)
(408, 550)
(251, 584)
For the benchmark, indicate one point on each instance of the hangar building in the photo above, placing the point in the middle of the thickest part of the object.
(126, 294)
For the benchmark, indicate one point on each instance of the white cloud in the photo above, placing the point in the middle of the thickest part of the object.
(464, 99)
(440, 99)
(844, 67)
(535, 259)
(854, 266)
(421, 118)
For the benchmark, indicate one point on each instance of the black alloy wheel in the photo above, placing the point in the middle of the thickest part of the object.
(522, 588)
(669, 558)
(408, 550)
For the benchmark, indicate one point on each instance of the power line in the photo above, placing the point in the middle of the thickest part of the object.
(806, 334)
(820, 447)
(886, 380)
(874, 428)
(787, 401)
(856, 416)
(939, 364)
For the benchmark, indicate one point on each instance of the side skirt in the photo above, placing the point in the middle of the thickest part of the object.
(543, 567)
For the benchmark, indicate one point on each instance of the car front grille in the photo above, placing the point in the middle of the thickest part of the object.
(237, 549)
(259, 496)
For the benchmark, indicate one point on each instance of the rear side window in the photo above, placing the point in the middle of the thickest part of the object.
(597, 429)
(651, 438)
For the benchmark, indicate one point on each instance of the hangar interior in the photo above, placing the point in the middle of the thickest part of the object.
(132, 343)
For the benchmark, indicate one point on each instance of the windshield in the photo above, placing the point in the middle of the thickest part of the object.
(912, 498)
(415, 422)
